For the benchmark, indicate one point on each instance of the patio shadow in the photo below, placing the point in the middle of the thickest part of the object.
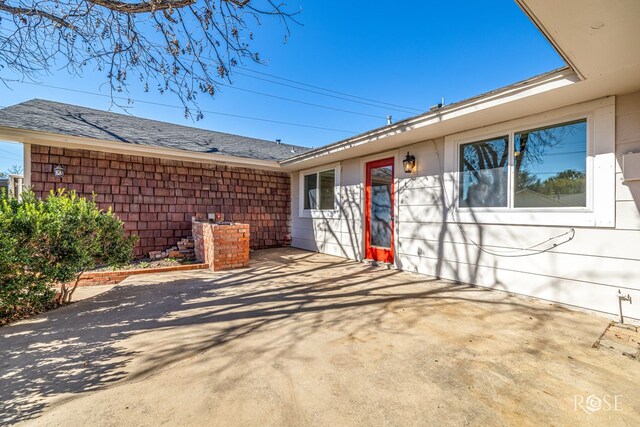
(138, 329)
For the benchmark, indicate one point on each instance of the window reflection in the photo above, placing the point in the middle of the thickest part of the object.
(319, 190)
(381, 209)
(483, 177)
(550, 166)
(310, 191)
(327, 189)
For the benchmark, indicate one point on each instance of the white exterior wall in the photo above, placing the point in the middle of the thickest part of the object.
(337, 234)
(587, 271)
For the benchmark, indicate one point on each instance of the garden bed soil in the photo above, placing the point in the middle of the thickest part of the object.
(147, 263)
(113, 277)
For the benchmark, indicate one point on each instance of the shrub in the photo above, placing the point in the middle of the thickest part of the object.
(53, 241)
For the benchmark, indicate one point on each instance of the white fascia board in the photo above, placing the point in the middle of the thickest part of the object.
(453, 114)
(80, 143)
(547, 34)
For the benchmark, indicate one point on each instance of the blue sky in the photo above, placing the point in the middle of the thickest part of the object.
(409, 56)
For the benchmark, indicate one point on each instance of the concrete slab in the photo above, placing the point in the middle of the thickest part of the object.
(86, 292)
(307, 339)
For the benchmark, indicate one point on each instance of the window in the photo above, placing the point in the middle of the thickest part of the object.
(556, 168)
(310, 191)
(327, 189)
(549, 165)
(483, 173)
(319, 190)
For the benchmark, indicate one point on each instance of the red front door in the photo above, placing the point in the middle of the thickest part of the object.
(379, 211)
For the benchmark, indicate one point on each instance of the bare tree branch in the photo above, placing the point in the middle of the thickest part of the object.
(184, 47)
(35, 12)
(142, 7)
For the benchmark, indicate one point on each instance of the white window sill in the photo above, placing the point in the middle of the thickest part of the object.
(543, 217)
(332, 214)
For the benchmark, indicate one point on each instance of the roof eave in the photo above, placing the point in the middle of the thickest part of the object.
(543, 30)
(551, 80)
(81, 143)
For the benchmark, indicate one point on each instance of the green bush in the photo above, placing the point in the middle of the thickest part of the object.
(53, 241)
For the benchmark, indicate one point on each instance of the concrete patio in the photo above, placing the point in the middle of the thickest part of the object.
(308, 339)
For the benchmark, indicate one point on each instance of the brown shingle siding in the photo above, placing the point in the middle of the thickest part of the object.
(157, 197)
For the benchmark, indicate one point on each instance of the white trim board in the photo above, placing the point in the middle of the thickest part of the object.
(26, 159)
(600, 210)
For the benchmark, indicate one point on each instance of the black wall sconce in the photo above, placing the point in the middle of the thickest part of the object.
(58, 171)
(409, 163)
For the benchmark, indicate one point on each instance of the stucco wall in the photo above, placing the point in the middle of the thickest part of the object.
(156, 198)
(587, 271)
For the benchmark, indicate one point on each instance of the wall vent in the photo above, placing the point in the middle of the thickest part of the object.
(631, 167)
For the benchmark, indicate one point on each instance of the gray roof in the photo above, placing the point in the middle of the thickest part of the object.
(72, 120)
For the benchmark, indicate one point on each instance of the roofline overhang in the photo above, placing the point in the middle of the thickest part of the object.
(454, 112)
(48, 139)
(543, 30)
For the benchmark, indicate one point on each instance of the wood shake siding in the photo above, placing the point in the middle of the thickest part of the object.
(156, 198)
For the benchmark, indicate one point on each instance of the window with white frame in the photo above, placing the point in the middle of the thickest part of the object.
(319, 190)
(550, 166)
(549, 169)
(483, 173)
(555, 168)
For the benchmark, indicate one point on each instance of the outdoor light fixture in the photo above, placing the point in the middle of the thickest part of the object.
(409, 163)
(58, 171)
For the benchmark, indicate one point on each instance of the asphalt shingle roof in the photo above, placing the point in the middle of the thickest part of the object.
(72, 120)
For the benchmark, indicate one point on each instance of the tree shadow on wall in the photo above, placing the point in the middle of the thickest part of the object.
(348, 236)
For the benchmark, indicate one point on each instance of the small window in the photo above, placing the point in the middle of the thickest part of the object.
(484, 173)
(319, 190)
(327, 189)
(550, 166)
(310, 191)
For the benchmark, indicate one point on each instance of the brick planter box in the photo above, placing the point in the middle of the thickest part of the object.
(221, 246)
(115, 277)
